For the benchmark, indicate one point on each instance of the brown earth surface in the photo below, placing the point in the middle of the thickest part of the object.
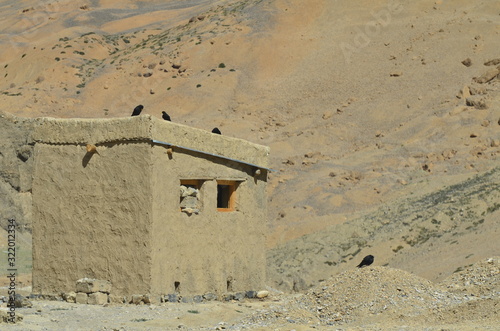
(383, 119)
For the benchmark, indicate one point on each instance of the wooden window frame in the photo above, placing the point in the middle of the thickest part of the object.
(232, 195)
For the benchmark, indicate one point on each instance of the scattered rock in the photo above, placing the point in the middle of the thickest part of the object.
(69, 297)
(210, 296)
(147, 74)
(327, 115)
(427, 167)
(476, 102)
(90, 285)
(262, 294)
(467, 62)
(136, 299)
(493, 62)
(251, 294)
(171, 298)
(116, 299)
(81, 298)
(487, 76)
(22, 302)
(97, 298)
(477, 90)
(464, 93)
(396, 74)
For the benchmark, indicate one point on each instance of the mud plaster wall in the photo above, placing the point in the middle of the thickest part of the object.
(88, 212)
(115, 215)
(202, 251)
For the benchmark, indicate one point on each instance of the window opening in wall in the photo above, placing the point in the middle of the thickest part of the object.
(190, 197)
(177, 287)
(229, 284)
(226, 195)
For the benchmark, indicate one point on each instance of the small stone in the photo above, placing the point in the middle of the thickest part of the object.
(427, 167)
(98, 298)
(146, 298)
(476, 102)
(251, 294)
(327, 115)
(495, 143)
(493, 62)
(210, 296)
(464, 93)
(70, 297)
(116, 299)
(262, 294)
(396, 74)
(171, 298)
(147, 74)
(239, 296)
(187, 299)
(487, 76)
(89, 285)
(81, 298)
(198, 298)
(228, 297)
(467, 62)
(136, 299)
(151, 91)
(22, 302)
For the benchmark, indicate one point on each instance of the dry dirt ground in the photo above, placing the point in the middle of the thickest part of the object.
(383, 119)
(370, 298)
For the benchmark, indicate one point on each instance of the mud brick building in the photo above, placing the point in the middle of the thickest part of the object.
(151, 206)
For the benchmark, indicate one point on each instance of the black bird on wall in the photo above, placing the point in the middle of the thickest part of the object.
(137, 110)
(367, 260)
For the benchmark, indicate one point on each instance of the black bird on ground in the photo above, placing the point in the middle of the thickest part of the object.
(367, 260)
(137, 110)
(165, 116)
(216, 131)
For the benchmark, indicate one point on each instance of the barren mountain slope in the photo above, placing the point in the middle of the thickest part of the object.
(363, 103)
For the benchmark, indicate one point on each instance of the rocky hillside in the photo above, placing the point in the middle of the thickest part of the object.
(377, 113)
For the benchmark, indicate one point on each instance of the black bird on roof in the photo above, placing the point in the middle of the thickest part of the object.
(165, 116)
(216, 131)
(137, 110)
(367, 260)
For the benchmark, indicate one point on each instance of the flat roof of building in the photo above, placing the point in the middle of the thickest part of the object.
(82, 131)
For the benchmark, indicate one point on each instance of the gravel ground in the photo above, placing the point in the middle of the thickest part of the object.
(373, 298)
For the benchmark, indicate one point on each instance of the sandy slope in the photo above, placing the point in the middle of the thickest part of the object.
(365, 104)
